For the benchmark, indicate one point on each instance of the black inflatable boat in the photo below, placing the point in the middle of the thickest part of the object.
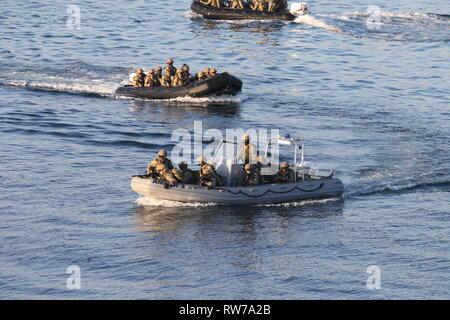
(214, 13)
(221, 84)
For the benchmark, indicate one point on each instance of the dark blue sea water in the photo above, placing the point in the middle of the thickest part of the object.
(371, 102)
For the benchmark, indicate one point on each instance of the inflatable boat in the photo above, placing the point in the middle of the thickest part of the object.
(311, 182)
(209, 12)
(223, 83)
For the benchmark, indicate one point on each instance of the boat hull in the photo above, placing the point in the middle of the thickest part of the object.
(213, 13)
(263, 194)
(223, 83)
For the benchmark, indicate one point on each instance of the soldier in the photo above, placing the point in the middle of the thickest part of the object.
(164, 174)
(206, 72)
(237, 4)
(212, 3)
(150, 80)
(162, 159)
(205, 167)
(285, 174)
(209, 179)
(259, 5)
(247, 152)
(158, 72)
(252, 176)
(187, 76)
(178, 79)
(188, 175)
(212, 72)
(201, 76)
(166, 79)
(170, 66)
(139, 78)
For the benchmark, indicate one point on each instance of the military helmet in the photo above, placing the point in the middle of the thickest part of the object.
(246, 137)
(213, 70)
(180, 70)
(248, 166)
(185, 67)
(150, 71)
(139, 70)
(206, 70)
(162, 153)
(201, 74)
(284, 165)
(169, 61)
(158, 68)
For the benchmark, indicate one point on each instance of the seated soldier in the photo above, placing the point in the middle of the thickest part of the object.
(212, 3)
(212, 72)
(166, 80)
(237, 4)
(205, 167)
(252, 176)
(150, 80)
(187, 76)
(209, 179)
(162, 159)
(164, 174)
(139, 78)
(206, 72)
(170, 66)
(259, 5)
(158, 73)
(187, 174)
(201, 76)
(178, 79)
(285, 174)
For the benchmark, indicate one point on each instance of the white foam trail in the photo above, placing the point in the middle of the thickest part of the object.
(153, 202)
(192, 14)
(299, 203)
(309, 20)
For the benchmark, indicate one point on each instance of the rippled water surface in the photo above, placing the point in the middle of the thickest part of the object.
(372, 103)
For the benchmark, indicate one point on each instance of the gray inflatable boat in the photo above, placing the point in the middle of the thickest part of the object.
(312, 182)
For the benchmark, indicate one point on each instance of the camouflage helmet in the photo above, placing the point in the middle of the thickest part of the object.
(284, 165)
(212, 70)
(169, 61)
(150, 71)
(185, 67)
(206, 70)
(162, 153)
(200, 74)
(248, 166)
(139, 71)
(246, 137)
(158, 68)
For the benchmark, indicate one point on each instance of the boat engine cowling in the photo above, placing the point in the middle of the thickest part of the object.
(299, 8)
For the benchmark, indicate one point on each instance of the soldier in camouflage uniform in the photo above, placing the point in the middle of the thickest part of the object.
(252, 176)
(247, 152)
(209, 179)
(212, 72)
(139, 78)
(165, 80)
(158, 73)
(285, 174)
(164, 174)
(150, 80)
(206, 72)
(187, 76)
(178, 79)
(162, 159)
(170, 66)
(188, 175)
(201, 76)
(207, 169)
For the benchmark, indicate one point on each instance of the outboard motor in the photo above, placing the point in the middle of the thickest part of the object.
(299, 8)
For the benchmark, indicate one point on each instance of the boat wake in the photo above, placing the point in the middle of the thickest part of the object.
(153, 202)
(314, 22)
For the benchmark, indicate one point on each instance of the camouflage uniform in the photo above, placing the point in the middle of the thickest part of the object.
(274, 5)
(139, 80)
(165, 80)
(252, 178)
(151, 81)
(259, 5)
(212, 3)
(172, 69)
(164, 174)
(178, 79)
(285, 175)
(212, 176)
(209, 180)
(237, 4)
(151, 168)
